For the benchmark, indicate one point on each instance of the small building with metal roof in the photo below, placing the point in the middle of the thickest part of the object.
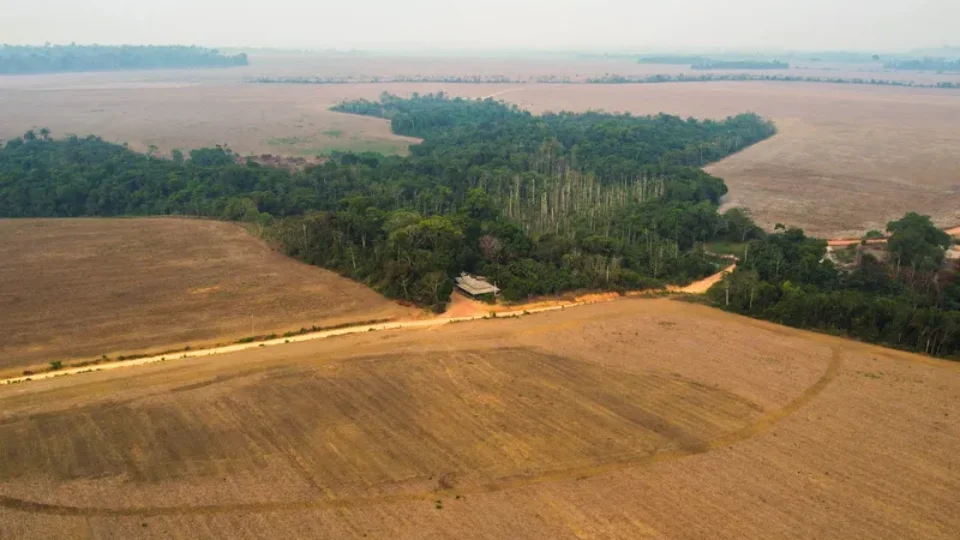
(475, 285)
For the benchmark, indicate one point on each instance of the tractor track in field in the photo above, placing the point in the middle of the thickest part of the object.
(743, 434)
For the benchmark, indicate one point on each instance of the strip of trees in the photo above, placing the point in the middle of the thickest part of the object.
(721, 77)
(925, 64)
(604, 79)
(21, 59)
(909, 299)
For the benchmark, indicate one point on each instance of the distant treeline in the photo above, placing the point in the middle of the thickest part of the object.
(720, 77)
(673, 60)
(924, 64)
(704, 63)
(456, 79)
(605, 79)
(740, 64)
(20, 59)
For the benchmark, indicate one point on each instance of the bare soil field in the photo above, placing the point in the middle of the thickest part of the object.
(80, 288)
(250, 119)
(633, 419)
(847, 158)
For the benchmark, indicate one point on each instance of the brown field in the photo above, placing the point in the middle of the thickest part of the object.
(79, 288)
(847, 158)
(634, 419)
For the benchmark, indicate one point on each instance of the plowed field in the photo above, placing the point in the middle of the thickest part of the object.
(632, 419)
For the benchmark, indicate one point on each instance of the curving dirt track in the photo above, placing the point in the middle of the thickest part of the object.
(631, 419)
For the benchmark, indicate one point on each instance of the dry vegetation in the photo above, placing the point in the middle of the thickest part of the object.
(634, 419)
(80, 288)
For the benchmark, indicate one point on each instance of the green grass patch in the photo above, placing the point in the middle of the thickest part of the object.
(737, 249)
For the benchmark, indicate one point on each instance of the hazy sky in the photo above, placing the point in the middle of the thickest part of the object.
(636, 25)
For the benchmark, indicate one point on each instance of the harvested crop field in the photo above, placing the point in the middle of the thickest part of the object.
(80, 288)
(633, 419)
(250, 119)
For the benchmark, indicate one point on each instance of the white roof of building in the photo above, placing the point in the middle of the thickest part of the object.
(475, 285)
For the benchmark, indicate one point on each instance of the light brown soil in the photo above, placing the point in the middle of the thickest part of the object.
(79, 288)
(250, 119)
(632, 419)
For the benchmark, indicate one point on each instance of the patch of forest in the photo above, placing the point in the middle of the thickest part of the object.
(23, 59)
(538, 204)
(908, 298)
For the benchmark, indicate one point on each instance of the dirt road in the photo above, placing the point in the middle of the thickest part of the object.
(842, 242)
(463, 309)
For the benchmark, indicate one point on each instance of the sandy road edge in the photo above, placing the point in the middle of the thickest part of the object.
(272, 342)
(698, 287)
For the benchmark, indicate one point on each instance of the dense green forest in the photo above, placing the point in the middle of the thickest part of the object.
(539, 204)
(20, 59)
(910, 300)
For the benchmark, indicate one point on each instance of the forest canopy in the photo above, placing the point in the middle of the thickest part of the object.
(23, 59)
